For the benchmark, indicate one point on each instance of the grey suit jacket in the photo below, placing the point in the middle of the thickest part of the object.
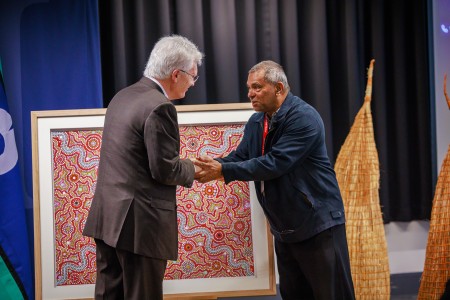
(134, 205)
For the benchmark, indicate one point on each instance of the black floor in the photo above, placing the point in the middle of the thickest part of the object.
(403, 287)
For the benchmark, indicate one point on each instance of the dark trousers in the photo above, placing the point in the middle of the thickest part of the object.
(318, 268)
(125, 275)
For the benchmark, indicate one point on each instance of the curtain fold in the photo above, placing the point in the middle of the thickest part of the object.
(324, 46)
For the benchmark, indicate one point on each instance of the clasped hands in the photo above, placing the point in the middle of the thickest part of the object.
(207, 169)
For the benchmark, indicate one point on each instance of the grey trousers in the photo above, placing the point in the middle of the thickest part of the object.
(125, 275)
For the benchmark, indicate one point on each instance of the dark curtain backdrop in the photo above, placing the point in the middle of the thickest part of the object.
(325, 48)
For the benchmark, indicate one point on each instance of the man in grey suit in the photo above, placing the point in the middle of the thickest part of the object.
(133, 217)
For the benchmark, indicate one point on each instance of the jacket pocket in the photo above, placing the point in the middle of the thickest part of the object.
(163, 204)
(304, 197)
(307, 200)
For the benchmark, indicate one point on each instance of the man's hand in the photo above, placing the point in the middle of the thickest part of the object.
(197, 171)
(210, 169)
(197, 168)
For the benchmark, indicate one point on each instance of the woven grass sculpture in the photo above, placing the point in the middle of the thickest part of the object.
(436, 271)
(358, 174)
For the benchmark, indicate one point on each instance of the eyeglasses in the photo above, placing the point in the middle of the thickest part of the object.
(195, 78)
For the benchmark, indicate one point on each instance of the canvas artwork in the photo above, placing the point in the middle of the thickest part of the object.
(75, 156)
(214, 219)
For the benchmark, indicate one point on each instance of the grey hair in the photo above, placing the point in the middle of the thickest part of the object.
(273, 72)
(171, 53)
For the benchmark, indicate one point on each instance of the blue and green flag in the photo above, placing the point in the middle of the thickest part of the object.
(15, 267)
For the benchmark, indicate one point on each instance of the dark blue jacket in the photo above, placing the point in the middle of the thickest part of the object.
(301, 194)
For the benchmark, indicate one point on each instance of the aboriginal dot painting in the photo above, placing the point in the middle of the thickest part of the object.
(75, 161)
(215, 235)
(214, 221)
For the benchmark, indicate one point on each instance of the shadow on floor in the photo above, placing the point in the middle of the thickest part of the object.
(403, 287)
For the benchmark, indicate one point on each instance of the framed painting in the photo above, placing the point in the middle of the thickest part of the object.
(225, 247)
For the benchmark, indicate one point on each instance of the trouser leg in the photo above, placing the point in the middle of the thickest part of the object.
(109, 284)
(318, 268)
(293, 282)
(142, 276)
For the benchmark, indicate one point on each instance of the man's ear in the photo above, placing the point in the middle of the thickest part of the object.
(174, 75)
(279, 87)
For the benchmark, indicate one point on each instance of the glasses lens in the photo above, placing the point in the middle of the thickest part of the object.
(193, 77)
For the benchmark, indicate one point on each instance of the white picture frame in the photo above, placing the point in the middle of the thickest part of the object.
(44, 122)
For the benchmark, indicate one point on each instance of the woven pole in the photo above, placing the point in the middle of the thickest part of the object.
(436, 271)
(445, 91)
(358, 174)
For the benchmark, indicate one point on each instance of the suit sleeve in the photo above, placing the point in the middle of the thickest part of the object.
(162, 139)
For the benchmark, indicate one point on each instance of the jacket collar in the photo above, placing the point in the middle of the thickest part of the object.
(284, 108)
(151, 84)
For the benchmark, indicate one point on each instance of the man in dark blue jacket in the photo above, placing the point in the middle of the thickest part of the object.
(283, 151)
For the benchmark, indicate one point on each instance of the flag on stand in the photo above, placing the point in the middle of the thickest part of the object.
(15, 267)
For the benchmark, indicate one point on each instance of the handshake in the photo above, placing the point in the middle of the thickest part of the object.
(207, 169)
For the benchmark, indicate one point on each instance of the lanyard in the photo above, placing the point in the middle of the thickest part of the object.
(266, 130)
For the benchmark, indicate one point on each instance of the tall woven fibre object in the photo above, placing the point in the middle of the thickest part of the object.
(436, 271)
(358, 173)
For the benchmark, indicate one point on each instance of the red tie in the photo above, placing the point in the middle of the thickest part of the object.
(266, 130)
